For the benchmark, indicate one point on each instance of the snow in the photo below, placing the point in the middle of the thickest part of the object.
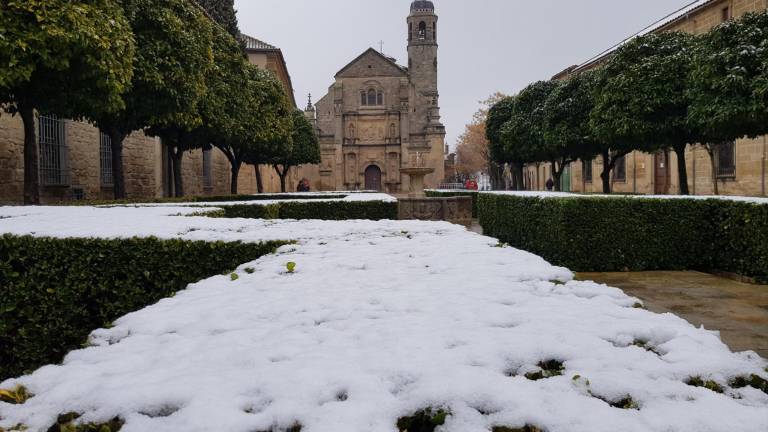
(546, 194)
(379, 320)
(280, 198)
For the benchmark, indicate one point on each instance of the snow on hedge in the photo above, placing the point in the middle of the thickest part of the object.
(285, 198)
(546, 194)
(380, 320)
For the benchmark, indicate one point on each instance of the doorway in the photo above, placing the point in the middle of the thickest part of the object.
(661, 173)
(373, 178)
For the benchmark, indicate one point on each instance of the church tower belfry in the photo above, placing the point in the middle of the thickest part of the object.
(422, 66)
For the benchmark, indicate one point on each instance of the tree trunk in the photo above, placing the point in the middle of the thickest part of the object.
(118, 176)
(235, 174)
(517, 176)
(557, 174)
(713, 159)
(31, 156)
(259, 180)
(178, 181)
(606, 174)
(682, 170)
(283, 174)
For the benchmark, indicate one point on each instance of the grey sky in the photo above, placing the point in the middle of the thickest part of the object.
(485, 45)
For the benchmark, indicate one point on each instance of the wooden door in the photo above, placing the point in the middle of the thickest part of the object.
(373, 178)
(661, 173)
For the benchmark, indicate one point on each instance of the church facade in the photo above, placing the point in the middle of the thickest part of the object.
(379, 117)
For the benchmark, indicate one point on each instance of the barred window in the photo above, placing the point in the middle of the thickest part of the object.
(587, 169)
(726, 160)
(207, 168)
(105, 160)
(620, 170)
(53, 151)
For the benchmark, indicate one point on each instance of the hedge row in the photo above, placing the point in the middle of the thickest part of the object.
(204, 199)
(322, 210)
(449, 194)
(631, 234)
(54, 292)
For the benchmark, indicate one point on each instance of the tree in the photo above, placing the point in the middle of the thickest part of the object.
(263, 125)
(305, 148)
(729, 84)
(172, 58)
(63, 57)
(224, 13)
(567, 135)
(472, 149)
(523, 133)
(643, 103)
(498, 150)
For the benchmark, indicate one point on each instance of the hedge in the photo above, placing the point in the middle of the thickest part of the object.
(322, 210)
(56, 291)
(441, 194)
(596, 234)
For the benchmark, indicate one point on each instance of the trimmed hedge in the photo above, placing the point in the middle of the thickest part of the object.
(322, 210)
(449, 194)
(54, 292)
(591, 234)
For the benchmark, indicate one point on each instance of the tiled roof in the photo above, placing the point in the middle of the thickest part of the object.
(252, 43)
(675, 16)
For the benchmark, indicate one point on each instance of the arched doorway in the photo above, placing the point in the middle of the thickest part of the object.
(373, 178)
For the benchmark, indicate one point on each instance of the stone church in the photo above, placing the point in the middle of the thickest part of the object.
(379, 117)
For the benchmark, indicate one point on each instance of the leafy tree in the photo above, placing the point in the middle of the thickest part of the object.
(305, 148)
(173, 56)
(264, 124)
(472, 149)
(729, 83)
(567, 135)
(643, 103)
(224, 13)
(523, 133)
(500, 153)
(65, 57)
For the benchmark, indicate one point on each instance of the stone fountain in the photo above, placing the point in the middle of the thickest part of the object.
(420, 207)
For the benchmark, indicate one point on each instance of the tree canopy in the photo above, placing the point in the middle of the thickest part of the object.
(224, 13)
(69, 58)
(305, 148)
(643, 102)
(729, 80)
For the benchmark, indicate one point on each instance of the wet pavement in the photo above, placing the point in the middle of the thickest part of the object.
(738, 310)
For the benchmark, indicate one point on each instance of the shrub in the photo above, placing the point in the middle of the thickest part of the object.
(448, 194)
(202, 199)
(633, 234)
(56, 291)
(322, 210)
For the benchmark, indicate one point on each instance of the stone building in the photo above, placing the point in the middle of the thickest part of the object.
(379, 117)
(75, 158)
(741, 165)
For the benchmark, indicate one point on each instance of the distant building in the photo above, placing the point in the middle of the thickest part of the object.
(76, 162)
(379, 117)
(742, 164)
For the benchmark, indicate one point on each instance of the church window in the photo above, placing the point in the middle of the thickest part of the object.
(363, 98)
(380, 98)
(410, 31)
(434, 30)
(371, 97)
(422, 30)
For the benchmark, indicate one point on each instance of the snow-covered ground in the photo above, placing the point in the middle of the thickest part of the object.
(545, 194)
(281, 198)
(379, 320)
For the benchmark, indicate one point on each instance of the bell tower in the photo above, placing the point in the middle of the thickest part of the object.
(422, 67)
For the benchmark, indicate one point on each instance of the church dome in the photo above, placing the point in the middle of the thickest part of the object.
(420, 5)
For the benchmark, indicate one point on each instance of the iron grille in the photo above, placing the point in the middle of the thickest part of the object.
(105, 160)
(53, 151)
(726, 160)
(207, 168)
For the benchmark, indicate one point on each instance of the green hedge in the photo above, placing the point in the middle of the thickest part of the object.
(621, 234)
(54, 292)
(322, 210)
(448, 194)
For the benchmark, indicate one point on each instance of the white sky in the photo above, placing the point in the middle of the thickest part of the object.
(485, 45)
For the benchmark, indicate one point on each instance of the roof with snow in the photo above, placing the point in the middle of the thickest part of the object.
(674, 17)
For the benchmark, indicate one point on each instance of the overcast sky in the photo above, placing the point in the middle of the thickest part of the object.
(485, 45)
